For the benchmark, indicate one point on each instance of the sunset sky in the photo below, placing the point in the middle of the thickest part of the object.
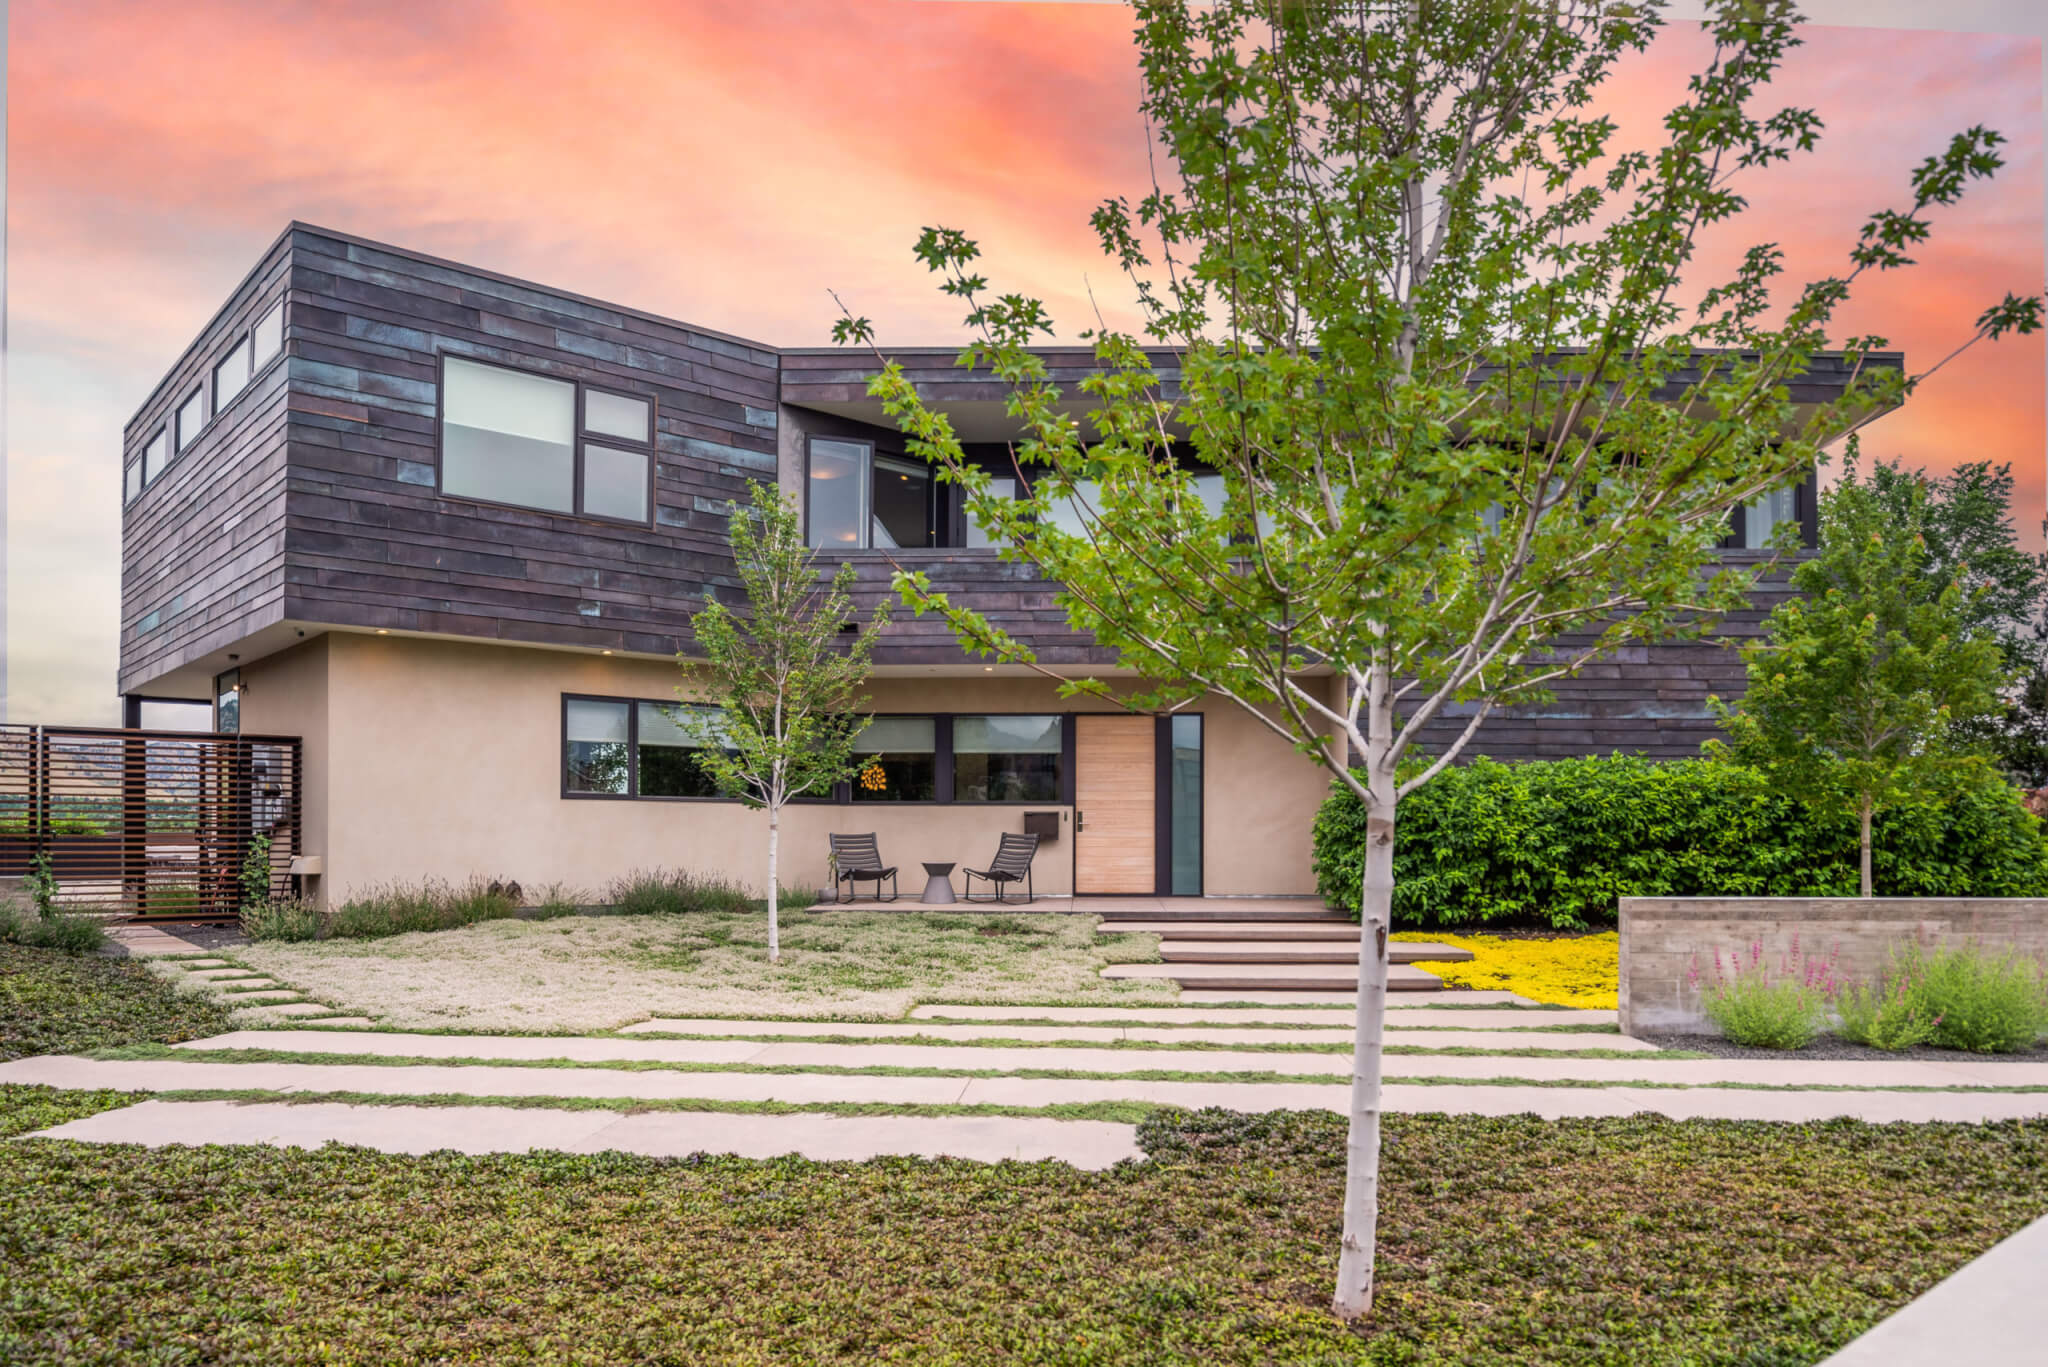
(727, 163)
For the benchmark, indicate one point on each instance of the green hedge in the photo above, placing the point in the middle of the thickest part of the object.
(1555, 842)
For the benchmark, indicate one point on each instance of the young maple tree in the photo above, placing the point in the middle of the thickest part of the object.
(783, 681)
(1865, 687)
(1409, 296)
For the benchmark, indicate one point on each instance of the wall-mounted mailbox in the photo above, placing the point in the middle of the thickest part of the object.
(1044, 825)
(305, 866)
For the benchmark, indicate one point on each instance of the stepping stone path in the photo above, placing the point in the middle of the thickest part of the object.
(1479, 1053)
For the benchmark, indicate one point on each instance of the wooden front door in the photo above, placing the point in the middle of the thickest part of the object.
(1114, 796)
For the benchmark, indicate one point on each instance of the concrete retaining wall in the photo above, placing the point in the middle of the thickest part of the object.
(1662, 937)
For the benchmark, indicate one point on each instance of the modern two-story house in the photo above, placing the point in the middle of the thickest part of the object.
(449, 528)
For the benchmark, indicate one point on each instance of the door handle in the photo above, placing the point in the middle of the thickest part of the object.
(1080, 821)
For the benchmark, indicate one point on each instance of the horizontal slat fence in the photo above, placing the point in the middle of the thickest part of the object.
(146, 824)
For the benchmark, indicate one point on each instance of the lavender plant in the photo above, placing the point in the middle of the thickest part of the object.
(1761, 1006)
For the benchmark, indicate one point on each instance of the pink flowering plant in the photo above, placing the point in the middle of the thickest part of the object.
(1767, 1002)
(1893, 1011)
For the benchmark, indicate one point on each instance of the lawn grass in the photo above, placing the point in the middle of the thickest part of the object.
(56, 1003)
(593, 973)
(1514, 1240)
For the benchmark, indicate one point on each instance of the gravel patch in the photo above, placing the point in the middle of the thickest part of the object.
(1827, 1047)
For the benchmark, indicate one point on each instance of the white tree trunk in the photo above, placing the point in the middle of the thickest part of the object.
(774, 887)
(1362, 1159)
(1865, 850)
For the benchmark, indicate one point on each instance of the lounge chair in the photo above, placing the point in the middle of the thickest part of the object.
(1012, 864)
(858, 859)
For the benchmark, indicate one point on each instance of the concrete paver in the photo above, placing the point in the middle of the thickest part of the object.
(801, 1088)
(286, 1010)
(1400, 977)
(218, 972)
(1429, 1034)
(1429, 1012)
(1227, 996)
(190, 964)
(473, 1129)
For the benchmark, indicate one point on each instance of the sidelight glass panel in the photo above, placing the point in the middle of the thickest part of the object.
(616, 415)
(837, 493)
(671, 738)
(1185, 795)
(508, 436)
(1007, 759)
(902, 504)
(227, 703)
(901, 756)
(595, 746)
(268, 334)
(614, 483)
(1761, 519)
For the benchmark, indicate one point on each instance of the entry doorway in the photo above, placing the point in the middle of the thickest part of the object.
(1116, 826)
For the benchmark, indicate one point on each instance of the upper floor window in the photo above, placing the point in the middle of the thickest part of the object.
(191, 417)
(511, 436)
(231, 374)
(132, 486)
(978, 536)
(155, 456)
(1762, 518)
(858, 499)
(267, 337)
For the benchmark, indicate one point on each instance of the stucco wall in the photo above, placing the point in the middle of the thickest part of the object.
(428, 758)
(1662, 938)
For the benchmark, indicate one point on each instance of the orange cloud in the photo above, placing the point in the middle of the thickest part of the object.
(728, 163)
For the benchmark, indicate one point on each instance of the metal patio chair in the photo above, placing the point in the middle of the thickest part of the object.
(1012, 864)
(858, 859)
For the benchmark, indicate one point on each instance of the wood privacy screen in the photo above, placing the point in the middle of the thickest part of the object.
(147, 823)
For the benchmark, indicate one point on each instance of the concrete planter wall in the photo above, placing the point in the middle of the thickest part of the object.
(1662, 936)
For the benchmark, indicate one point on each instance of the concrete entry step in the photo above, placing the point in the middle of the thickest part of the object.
(1198, 910)
(1180, 951)
(1334, 929)
(1276, 977)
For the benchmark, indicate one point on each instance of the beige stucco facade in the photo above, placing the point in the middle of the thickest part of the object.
(435, 758)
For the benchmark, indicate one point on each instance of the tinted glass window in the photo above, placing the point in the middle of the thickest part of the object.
(901, 505)
(1762, 518)
(154, 457)
(615, 415)
(133, 486)
(671, 738)
(268, 335)
(1185, 784)
(615, 483)
(837, 493)
(191, 416)
(1007, 759)
(977, 535)
(508, 436)
(594, 746)
(231, 375)
(900, 755)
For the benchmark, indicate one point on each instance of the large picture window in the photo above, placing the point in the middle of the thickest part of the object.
(1007, 759)
(511, 436)
(630, 747)
(596, 747)
(901, 760)
(670, 739)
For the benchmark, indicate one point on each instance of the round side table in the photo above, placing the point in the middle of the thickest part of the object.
(938, 886)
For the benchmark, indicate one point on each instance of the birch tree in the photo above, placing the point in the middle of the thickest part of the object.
(1426, 407)
(784, 680)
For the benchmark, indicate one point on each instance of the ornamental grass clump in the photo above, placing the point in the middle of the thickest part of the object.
(396, 908)
(1764, 1008)
(1986, 1003)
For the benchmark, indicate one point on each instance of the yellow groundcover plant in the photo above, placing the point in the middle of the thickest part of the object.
(1577, 970)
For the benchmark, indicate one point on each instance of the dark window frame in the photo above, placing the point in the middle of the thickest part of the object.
(207, 390)
(841, 795)
(578, 439)
(942, 515)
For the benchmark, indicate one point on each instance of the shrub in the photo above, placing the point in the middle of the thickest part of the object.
(60, 930)
(256, 872)
(557, 899)
(1557, 842)
(42, 886)
(1753, 1005)
(1985, 1003)
(399, 908)
(1890, 1013)
(281, 918)
(671, 892)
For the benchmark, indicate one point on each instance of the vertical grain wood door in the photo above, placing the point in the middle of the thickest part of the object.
(1115, 795)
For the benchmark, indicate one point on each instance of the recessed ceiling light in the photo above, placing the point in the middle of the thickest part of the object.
(607, 652)
(381, 631)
